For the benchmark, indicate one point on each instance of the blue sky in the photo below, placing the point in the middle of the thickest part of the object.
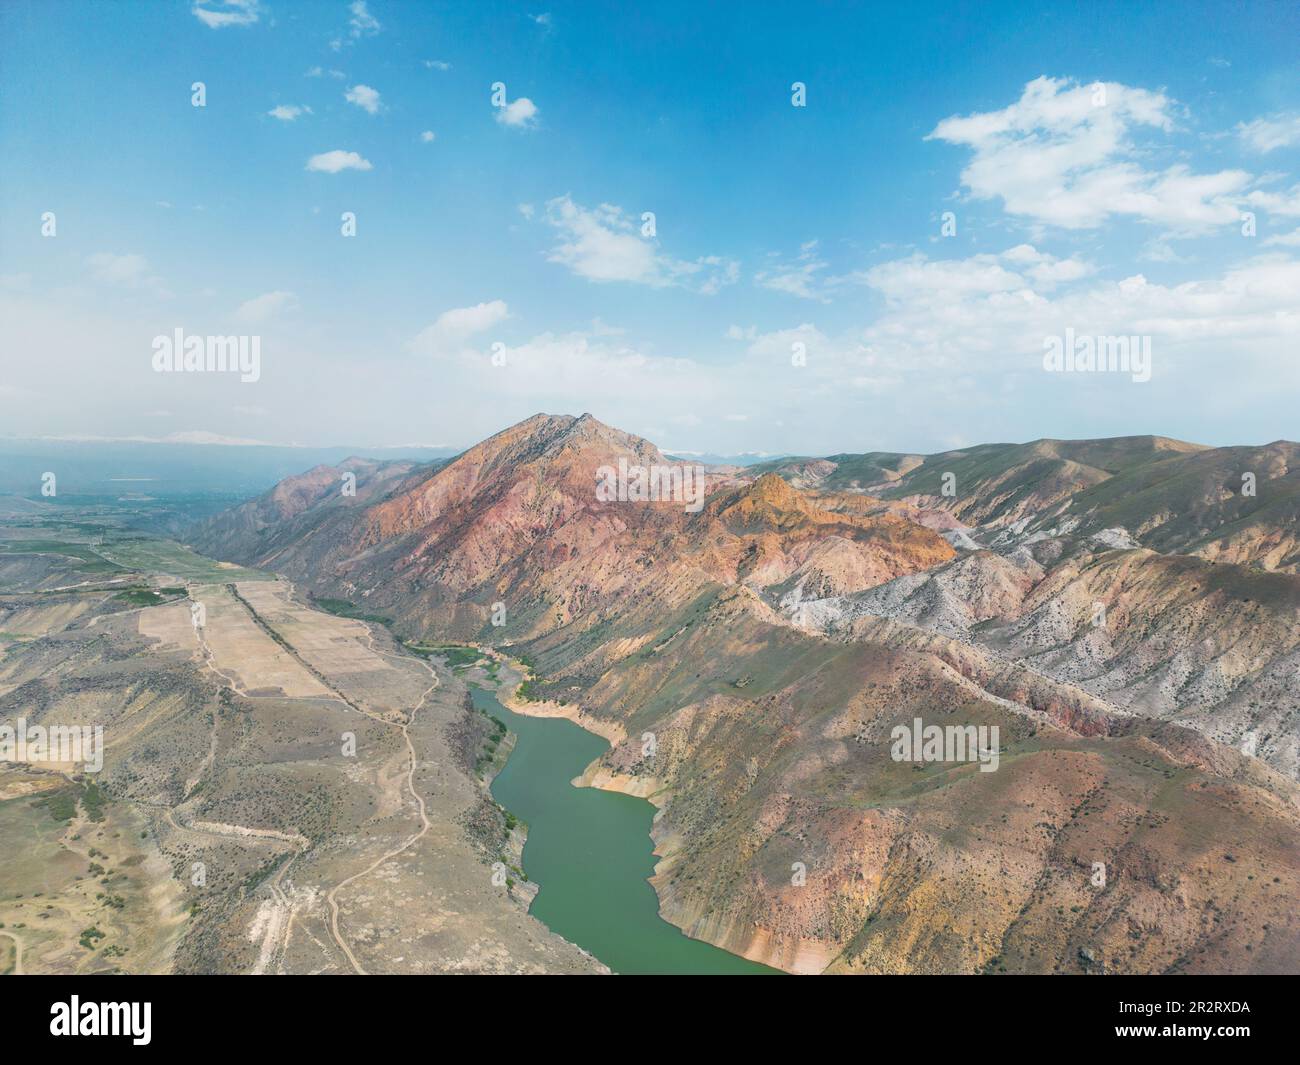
(1098, 163)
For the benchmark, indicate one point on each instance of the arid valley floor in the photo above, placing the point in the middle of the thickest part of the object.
(224, 751)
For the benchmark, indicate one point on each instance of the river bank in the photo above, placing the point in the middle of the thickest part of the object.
(589, 848)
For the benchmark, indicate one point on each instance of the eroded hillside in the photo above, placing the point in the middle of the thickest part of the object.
(1144, 690)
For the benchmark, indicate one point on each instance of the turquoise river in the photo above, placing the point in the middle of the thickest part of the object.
(589, 851)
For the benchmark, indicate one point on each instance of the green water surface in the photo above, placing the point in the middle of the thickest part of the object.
(590, 853)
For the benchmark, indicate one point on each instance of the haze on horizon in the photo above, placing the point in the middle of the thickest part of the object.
(876, 269)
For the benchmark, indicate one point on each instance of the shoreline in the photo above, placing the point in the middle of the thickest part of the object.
(804, 958)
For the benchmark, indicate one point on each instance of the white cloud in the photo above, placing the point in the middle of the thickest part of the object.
(362, 23)
(227, 13)
(543, 20)
(980, 275)
(603, 244)
(288, 112)
(1059, 156)
(583, 371)
(1286, 240)
(364, 97)
(1022, 266)
(716, 273)
(437, 64)
(520, 113)
(1160, 251)
(797, 278)
(1286, 203)
(941, 361)
(319, 72)
(778, 344)
(333, 162)
(427, 136)
(261, 308)
(946, 316)
(1275, 131)
(452, 329)
(969, 335)
(1044, 270)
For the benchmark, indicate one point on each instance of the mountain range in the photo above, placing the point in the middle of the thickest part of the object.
(1126, 611)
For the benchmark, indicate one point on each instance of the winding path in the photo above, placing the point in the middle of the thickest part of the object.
(331, 898)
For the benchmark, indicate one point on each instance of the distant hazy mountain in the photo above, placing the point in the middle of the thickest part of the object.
(110, 469)
(710, 458)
